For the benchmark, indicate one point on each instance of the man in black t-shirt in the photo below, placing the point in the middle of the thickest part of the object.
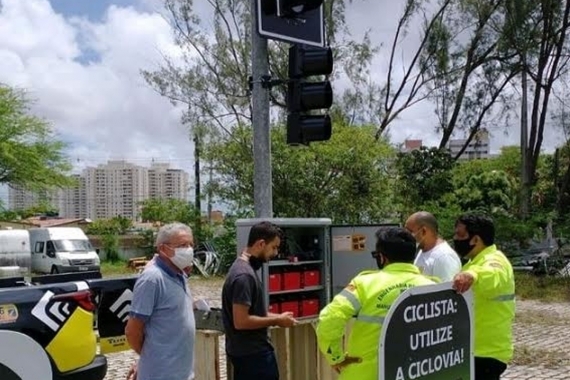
(244, 310)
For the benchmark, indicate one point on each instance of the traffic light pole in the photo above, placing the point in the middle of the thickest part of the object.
(262, 183)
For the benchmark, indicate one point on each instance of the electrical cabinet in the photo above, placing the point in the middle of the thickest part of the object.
(315, 261)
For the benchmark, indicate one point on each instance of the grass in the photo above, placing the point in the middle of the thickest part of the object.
(546, 289)
(115, 268)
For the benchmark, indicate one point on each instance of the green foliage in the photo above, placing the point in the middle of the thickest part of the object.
(110, 243)
(147, 242)
(346, 178)
(114, 226)
(30, 155)
(225, 242)
(168, 210)
(424, 176)
(491, 191)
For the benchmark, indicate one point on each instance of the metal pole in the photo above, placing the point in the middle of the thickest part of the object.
(262, 183)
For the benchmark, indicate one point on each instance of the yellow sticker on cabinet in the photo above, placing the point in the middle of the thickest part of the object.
(358, 242)
(8, 313)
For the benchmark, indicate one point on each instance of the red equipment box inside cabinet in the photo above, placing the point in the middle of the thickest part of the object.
(292, 306)
(311, 277)
(292, 280)
(310, 307)
(275, 282)
(274, 308)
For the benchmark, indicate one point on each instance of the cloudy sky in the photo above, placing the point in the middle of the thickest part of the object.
(80, 60)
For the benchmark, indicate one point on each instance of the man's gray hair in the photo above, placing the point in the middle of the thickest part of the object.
(166, 232)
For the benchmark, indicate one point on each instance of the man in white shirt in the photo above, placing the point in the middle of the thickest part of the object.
(435, 256)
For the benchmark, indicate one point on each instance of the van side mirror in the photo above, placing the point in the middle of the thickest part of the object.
(97, 250)
(50, 253)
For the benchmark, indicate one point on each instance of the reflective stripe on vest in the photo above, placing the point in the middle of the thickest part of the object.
(356, 306)
(504, 298)
(370, 319)
(352, 299)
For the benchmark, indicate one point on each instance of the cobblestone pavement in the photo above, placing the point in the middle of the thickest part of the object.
(542, 333)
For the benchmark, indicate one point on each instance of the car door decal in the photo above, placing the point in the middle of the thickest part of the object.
(40, 311)
(122, 306)
(113, 314)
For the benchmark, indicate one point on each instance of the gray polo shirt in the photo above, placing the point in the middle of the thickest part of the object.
(162, 299)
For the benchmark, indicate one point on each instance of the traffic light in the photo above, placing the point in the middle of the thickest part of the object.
(294, 8)
(304, 96)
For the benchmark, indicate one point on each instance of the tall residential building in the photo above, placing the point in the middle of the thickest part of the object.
(115, 189)
(73, 201)
(19, 198)
(164, 182)
(479, 146)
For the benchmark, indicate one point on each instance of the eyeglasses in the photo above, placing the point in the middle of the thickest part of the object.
(375, 254)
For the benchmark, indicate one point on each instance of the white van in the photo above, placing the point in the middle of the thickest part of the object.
(62, 250)
(15, 253)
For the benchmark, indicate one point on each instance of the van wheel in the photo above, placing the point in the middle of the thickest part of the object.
(54, 270)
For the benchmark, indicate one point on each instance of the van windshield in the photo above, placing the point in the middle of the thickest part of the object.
(72, 245)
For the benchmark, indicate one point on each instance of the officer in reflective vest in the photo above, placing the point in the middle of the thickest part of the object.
(367, 299)
(490, 274)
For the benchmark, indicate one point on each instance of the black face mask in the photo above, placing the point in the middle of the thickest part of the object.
(380, 261)
(463, 247)
(255, 262)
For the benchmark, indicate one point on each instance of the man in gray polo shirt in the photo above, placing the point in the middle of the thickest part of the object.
(161, 327)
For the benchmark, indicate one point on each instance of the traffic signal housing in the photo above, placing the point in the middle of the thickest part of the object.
(304, 96)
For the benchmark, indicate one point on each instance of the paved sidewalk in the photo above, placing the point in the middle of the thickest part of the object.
(542, 339)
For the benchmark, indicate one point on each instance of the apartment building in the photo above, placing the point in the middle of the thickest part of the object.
(164, 182)
(113, 189)
(73, 201)
(479, 146)
(20, 198)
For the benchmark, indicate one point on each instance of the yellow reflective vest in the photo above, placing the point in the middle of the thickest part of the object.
(366, 299)
(494, 304)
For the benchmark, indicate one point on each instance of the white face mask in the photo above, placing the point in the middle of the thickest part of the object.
(183, 257)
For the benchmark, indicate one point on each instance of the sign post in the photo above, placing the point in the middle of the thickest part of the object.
(428, 335)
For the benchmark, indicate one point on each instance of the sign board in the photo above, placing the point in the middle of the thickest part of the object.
(428, 335)
(308, 29)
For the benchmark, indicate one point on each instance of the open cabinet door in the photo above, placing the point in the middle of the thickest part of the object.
(351, 248)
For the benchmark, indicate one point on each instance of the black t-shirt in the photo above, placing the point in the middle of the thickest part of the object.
(243, 287)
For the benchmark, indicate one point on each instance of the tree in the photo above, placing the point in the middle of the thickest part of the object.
(30, 155)
(458, 65)
(168, 210)
(117, 225)
(424, 175)
(490, 191)
(213, 80)
(539, 33)
(347, 178)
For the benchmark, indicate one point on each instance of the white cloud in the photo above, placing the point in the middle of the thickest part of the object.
(103, 107)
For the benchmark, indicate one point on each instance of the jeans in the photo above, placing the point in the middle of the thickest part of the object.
(489, 369)
(259, 366)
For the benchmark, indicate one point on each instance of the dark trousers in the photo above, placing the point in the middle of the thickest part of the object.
(261, 366)
(489, 369)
